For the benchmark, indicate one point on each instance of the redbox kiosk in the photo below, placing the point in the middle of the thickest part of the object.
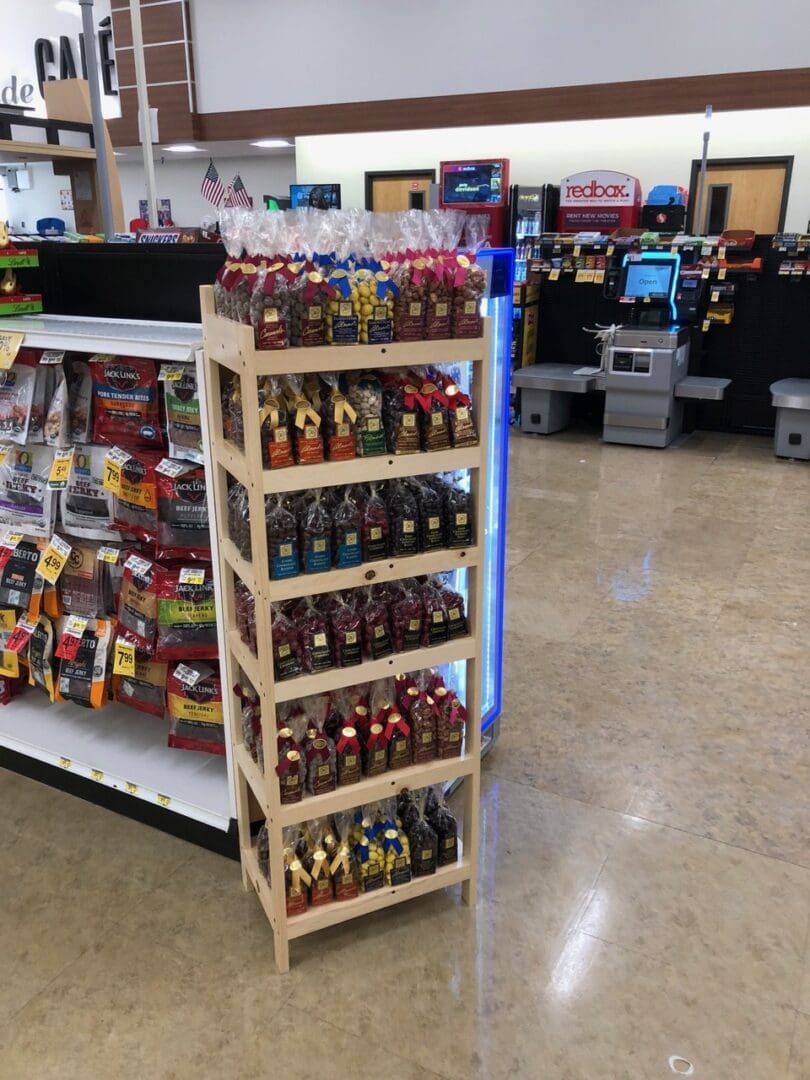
(478, 187)
(599, 201)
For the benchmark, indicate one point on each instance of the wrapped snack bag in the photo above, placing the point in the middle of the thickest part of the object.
(403, 519)
(135, 506)
(263, 850)
(434, 410)
(137, 604)
(374, 750)
(444, 825)
(398, 736)
(233, 421)
(343, 312)
(443, 230)
(406, 617)
(316, 537)
(186, 615)
(17, 385)
(422, 838)
(410, 275)
(183, 531)
(27, 504)
(400, 417)
(343, 867)
(125, 393)
(291, 773)
(319, 751)
(431, 515)
(463, 431)
(458, 516)
(368, 850)
(183, 419)
(377, 292)
(340, 419)
(20, 585)
(316, 646)
(311, 301)
(81, 582)
(375, 527)
(274, 420)
(347, 751)
(271, 304)
(469, 288)
(364, 392)
(296, 878)
(41, 658)
(80, 401)
(450, 724)
(245, 605)
(146, 689)
(318, 864)
(84, 679)
(346, 626)
(396, 847)
(194, 703)
(239, 519)
(86, 506)
(282, 541)
(434, 615)
(307, 437)
(423, 718)
(347, 531)
(57, 414)
(287, 651)
(454, 605)
(376, 626)
(43, 389)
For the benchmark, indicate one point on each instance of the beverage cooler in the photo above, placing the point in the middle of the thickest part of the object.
(532, 211)
(499, 266)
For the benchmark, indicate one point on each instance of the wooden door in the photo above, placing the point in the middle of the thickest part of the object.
(389, 193)
(744, 196)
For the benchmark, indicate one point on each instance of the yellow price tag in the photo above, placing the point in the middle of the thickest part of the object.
(113, 463)
(131, 788)
(192, 575)
(97, 774)
(554, 274)
(705, 272)
(164, 800)
(65, 762)
(706, 325)
(721, 252)
(10, 342)
(721, 274)
(610, 249)
(9, 661)
(60, 469)
(598, 277)
(715, 295)
(124, 658)
(53, 559)
(577, 249)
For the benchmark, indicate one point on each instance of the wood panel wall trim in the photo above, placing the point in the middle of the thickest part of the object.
(784, 88)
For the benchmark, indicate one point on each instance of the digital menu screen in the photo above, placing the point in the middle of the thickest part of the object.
(473, 182)
(320, 196)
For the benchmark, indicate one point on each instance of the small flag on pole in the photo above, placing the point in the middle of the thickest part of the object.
(236, 194)
(212, 189)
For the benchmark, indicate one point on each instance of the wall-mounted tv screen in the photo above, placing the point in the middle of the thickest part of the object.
(320, 196)
(472, 182)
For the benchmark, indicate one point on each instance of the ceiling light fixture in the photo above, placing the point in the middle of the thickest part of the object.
(271, 144)
(185, 148)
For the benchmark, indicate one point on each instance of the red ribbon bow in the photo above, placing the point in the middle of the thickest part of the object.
(350, 741)
(396, 725)
(375, 738)
(458, 714)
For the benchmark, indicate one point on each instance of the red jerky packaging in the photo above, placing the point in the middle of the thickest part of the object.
(18, 577)
(287, 653)
(307, 437)
(339, 422)
(182, 512)
(125, 393)
(84, 678)
(137, 604)
(275, 426)
(186, 615)
(145, 690)
(195, 709)
(316, 646)
(136, 509)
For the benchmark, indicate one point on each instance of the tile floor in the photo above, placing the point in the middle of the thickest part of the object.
(646, 834)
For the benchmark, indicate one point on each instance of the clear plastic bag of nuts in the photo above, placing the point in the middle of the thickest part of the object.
(364, 391)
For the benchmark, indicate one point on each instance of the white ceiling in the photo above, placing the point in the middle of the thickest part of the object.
(240, 148)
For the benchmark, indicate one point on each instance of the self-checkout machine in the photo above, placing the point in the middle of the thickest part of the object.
(645, 365)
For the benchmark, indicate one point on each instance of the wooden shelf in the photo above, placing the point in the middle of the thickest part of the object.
(428, 562)
(240, 565)
(363, 470)
(248, 662)
(462, 648)
(250, 862)
(369, 789)
(318, 918)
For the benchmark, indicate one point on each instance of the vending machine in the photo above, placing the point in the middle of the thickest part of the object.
(478, 187)
(532, 211)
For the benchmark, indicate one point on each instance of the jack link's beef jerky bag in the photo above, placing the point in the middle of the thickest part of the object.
(183, 515)
(136, 503)
(195, 710)
(145, 690)
(183, 421)
(186, 617)
(125, 399)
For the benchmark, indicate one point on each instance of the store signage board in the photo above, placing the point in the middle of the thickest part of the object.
(41, 41)
(599, 199)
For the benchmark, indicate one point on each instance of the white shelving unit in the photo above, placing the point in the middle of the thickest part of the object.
(229, 347)
(118, 747)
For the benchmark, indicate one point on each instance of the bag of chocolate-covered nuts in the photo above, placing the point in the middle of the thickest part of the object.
(343, 867)
(364, 392)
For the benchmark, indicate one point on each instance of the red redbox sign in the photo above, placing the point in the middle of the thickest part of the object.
(600, 199)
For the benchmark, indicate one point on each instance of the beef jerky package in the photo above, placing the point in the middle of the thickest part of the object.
(57, 413)
(135, 505)
(146, 689)
(27, 503)
(43, 390)
(40, 657)
(182, 512)
(86, 505)
(194, 704)
(84, 679)
(125, 402)
(80, 401)
(81, 582)
(137, 604)
(183, 420)
(17, 397)
(19, 582)
(186, 615)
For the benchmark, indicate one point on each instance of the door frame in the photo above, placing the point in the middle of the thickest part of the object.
(726, 163)
(396, 174)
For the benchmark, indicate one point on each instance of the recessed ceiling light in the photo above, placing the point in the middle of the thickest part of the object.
(271, 144)
(184, 148)
(119, 153)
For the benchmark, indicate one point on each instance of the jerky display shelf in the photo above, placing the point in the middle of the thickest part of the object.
(120, 750)
(229, 348)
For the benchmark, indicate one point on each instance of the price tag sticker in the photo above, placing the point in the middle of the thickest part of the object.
(598, 277)
(140, 567)
(610, 249)
(10, 342)
(71, 640)
(4, 449)
(721, 252)
(164, 800)
(52, 356)
(706, 325)
(132, 789)
(123, 658)
(715, 295)
(554, 274)
(97, 774)
(171, 373)
(706, 249)
(8, 546)
(19, 636)
(187, 675)
(113, 463)
(65, 762)
(721, 274)
(171, 468)
(705, 272)
(577, 249)
(673, 249)
(108, 554)
(53, 559)
(192, 575)
(60, 469)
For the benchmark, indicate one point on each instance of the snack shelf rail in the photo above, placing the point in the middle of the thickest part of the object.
(229, 345)
(119, 749)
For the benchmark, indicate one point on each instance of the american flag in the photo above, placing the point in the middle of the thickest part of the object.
(236, 194)
(211, 188)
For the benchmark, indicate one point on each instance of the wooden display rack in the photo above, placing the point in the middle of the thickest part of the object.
(230, 345)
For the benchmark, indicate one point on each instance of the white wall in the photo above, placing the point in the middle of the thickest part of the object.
(658, 150)
(23, 210)
(364, 50)
(180, 181)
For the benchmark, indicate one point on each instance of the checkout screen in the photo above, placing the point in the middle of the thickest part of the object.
(648, 279)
